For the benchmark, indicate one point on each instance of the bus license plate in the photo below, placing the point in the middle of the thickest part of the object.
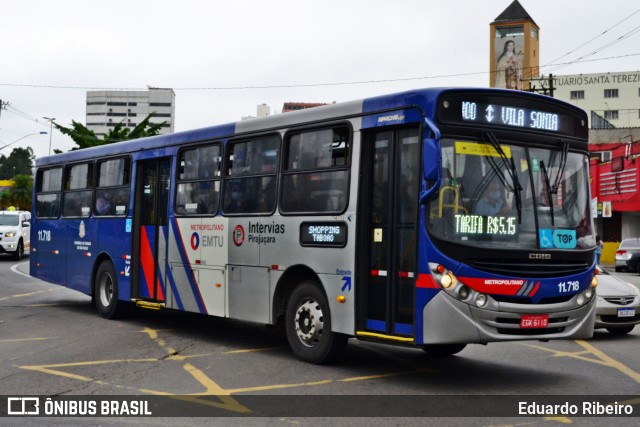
(534, 321)
(626, 312)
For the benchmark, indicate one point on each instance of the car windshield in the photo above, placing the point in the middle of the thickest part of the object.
(8, 219)
(630, 244)
(500, 195)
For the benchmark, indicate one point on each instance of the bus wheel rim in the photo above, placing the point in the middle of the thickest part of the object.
(106, 290)
(309, 323)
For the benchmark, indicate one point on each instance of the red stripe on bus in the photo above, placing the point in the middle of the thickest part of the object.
(426, 281)
(535, 290)
(147, 260)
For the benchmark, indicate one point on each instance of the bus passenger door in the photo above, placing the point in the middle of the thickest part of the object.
(389, 209)
(150, 227)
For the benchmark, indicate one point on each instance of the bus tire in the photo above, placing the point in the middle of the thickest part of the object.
(105, 292)
(620, 330)
(443, 350)
(17, 255)
(308, 326)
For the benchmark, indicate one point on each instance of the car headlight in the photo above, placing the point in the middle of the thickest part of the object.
(10, 234)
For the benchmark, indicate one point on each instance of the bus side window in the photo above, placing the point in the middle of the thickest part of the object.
(316, 171)
(112, 190)
(78, 192)
(251, 176)
(48, 192)
(198, 188)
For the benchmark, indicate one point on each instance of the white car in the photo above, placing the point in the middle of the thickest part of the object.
(617, 304)
(15, 232)
(625, 250)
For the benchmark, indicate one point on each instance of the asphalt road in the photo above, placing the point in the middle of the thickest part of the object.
(52, 343)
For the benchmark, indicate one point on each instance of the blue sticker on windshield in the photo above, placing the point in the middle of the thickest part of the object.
(546, 238)
(564, 239)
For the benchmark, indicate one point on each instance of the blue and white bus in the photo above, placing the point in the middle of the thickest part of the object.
(430, 218)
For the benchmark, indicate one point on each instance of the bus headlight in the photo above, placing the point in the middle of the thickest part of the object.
(448, 280)
(585, 296)
(463, 292)
(481, 300)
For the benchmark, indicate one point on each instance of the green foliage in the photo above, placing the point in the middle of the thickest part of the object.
(86, 138)
(20, 193)
(19, 162)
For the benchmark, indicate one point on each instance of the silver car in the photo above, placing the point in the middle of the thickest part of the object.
(617, 304)
(625, 250)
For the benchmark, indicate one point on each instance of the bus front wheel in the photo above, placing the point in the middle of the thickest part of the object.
(308, 326)
(105, 292)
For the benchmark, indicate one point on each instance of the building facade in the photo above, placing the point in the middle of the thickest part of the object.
(107, 108)
(612, 100)
(514, 49)
(287, 107)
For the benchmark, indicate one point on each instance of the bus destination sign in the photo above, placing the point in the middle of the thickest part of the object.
(323, 234)
(517, 113)
(505, 115)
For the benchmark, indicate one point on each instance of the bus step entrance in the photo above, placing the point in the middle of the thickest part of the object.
(149, 305)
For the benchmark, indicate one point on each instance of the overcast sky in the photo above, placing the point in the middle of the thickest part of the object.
(52, 52)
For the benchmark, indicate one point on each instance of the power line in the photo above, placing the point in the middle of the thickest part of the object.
(601, 48)
(13, 110)
(592, 39)
(321, 84)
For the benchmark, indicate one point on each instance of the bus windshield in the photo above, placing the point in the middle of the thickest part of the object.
(501, 195)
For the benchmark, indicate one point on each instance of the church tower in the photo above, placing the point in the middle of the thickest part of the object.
(515, 43)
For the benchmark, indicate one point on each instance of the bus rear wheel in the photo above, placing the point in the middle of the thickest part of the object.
(105, 292)
(308, 326)
(443, 350)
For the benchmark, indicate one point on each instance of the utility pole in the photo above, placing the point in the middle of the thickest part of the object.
(2, 105)
(546, 85)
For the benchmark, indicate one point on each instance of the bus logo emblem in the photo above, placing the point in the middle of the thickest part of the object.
(238, 235)
(195, 241)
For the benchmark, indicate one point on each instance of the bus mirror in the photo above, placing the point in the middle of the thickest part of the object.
(431, 160)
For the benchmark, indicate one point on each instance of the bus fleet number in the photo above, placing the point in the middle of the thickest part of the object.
(564, 287)
(44, 235)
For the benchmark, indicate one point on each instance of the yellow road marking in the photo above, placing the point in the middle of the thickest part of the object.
(589, 349)
(610, 361)
(48, 368)
(253, 350)
(29, 294)
(28, 339)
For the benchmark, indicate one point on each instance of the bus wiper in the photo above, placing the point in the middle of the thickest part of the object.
(548, 190)
(511, 169)
(563, 163)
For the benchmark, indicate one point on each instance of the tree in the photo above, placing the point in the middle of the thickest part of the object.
(20, 193)
(19, 162)
(85, 137)
(5, 199)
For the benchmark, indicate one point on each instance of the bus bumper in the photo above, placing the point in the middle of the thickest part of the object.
(448, 321)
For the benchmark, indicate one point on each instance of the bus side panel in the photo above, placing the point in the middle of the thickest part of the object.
(48, 258)
(115, 241)
(81, 241)
(151, 282)
(182, 289)
(280, 247)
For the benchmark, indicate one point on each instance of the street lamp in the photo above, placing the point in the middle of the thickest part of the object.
(20, 139)
(51, 119)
